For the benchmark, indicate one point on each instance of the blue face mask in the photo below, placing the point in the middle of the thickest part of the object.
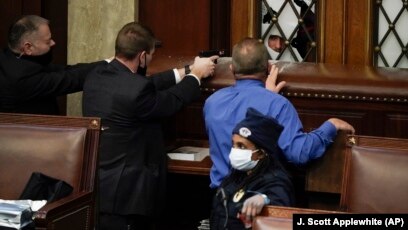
(241, 159)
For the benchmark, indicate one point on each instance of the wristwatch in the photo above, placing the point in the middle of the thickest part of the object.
(266, 199)
(187, 69)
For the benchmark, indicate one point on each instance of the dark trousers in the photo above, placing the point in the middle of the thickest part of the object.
(109, 221)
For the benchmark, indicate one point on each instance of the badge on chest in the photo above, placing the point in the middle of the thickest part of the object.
(238, 195)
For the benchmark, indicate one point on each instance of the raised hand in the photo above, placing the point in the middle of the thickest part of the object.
(270, 83)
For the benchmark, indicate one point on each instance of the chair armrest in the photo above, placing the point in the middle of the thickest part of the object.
(65, 209)
(270, 222)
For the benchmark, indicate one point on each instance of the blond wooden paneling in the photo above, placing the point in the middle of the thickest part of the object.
(243, 20)
(333, 19)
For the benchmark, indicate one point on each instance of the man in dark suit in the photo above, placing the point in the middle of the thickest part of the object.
(29, 83)
(132, 166)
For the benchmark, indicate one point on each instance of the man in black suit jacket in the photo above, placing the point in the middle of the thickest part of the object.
(132, 158)
(29, 83)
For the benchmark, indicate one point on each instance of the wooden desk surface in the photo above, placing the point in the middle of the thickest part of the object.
(190, 167)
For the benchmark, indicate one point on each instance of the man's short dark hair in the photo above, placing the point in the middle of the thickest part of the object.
(132, 39)
(250, 56)
(24, 26)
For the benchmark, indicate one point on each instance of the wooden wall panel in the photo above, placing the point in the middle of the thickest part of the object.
(313, 118)
(57, 13)
(243, 20)
(221, 26)
(396, 125)
(9, 11)
(183, 26)
(359, 38)
(372, 119)
(239, 24)
(32, 7)
(333, 28)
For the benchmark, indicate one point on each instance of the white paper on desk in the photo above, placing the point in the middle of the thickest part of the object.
(189, 153)
(18, 213)
(14, 214)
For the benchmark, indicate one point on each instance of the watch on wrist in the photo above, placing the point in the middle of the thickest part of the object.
(266, 199)
(187, 69)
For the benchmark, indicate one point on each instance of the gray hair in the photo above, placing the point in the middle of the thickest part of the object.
(250, 56)
(23, 27)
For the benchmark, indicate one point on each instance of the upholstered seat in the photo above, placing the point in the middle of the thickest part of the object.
(375, 176)
(61, 147)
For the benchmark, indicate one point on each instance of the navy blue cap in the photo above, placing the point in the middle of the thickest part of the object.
(263, 131)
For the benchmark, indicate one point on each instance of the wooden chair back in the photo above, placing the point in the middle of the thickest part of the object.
(61, 147)
(375, 176)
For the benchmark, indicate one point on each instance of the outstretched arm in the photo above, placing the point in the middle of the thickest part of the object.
(204, 67)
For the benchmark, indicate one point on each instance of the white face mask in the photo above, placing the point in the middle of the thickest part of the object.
(241, 159)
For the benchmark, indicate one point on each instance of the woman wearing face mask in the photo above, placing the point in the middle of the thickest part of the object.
(257, 177)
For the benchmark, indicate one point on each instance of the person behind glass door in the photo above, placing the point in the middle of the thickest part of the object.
(301, 41)
(276, 43)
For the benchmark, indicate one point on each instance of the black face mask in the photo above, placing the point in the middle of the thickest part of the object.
(142, 70)
(43, 59)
